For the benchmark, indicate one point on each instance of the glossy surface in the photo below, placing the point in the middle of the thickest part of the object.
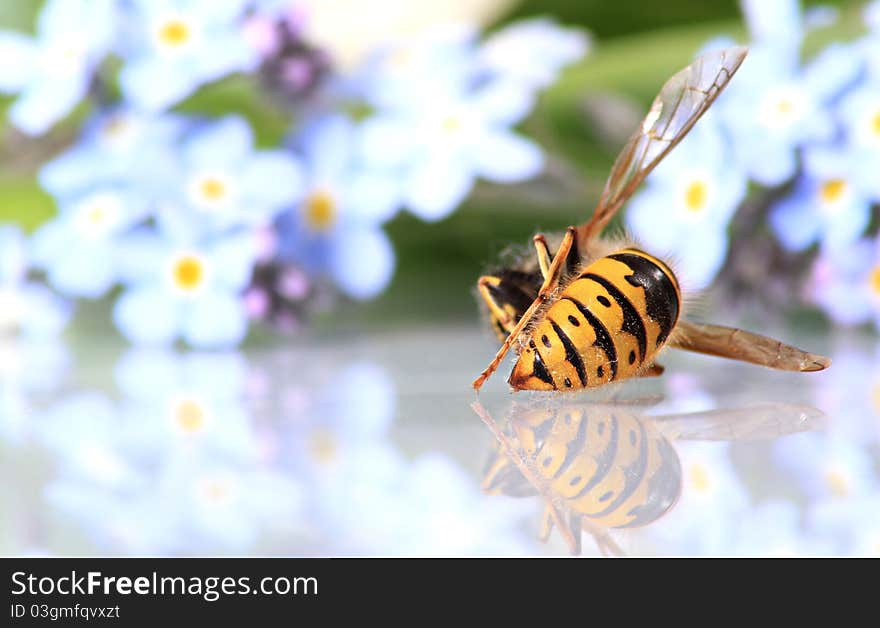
(369, 446)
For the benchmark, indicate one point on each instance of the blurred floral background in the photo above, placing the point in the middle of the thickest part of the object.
(239, 239)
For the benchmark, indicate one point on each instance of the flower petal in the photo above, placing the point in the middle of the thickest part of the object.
(17, 58)
(505, 157)
(363, 262)
(154, 84)
(272, 180)
(436, 187)
(795, 223)
(45, 103)
(215, 320)
(147, 316)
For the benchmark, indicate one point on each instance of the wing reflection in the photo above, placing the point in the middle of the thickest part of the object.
(604, 466)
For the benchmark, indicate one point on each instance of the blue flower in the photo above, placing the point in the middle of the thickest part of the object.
(32, 369)
(52, 71)
(846, 283)
(532, 52)
(79, 249)
(181, 402)
(221, 182)
(827, 467)
(336, 229)
(396, 73)
(121, 147)
(859, 113)
(687, 204)
(451, 127)
(180, 284)
(26, 307)
(175, 46)
(828, 203)
(774, 107)
(713, 499)
(173, 481)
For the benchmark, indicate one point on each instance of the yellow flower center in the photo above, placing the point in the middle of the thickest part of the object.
(189, 415)
(874, 280)
(212, 189)
(216, 491)
(784, 106)
(837, 483)
(174, 33)
(188, 272)
(695, 196)
(875, 123)
(96, 215)
(320, 210)
(700, 478)
(322, 446)
(451, 124)
(832, 191)
(875, 397)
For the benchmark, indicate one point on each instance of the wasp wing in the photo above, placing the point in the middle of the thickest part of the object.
(757, 422)
(682, 100)
(745, 346)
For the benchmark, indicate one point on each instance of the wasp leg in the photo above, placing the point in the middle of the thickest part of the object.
(551, 282)
(652, 370)
(543, 254)
(551, 511)
(736, 344)
(546, 524)
(607, 546)
(503, 320)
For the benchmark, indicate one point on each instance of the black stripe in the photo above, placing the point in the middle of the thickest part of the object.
(633, 474)
(603, 338)
(661, 297)
(574, 448)
(604, 462)
(664, 486)
(632, 322)
(571, 354)
(540, 370)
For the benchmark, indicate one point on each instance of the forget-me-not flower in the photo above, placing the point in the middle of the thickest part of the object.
(687, 204)
(26, 307)
(182, 284)
(336, 228)
(175, 46)
(532, 52)
(51, 72)
(451, 130)
(846, 283)
(859, 113)
(186, 401)
(828, 203)
(774, 106)
(79, 249)
(120, 147)
(221, 182)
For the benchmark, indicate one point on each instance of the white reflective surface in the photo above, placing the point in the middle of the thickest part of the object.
(369, 446)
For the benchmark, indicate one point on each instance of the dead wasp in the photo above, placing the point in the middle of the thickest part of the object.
(598, 310)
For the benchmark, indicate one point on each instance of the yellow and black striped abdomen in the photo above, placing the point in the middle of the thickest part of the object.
(607, 324)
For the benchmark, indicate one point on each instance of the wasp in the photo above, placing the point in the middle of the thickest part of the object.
(610, 466)
(599, 311)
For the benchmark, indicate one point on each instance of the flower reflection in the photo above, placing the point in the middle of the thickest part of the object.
(172, 468)
(604, 466)
(366, 497)
(216, 453)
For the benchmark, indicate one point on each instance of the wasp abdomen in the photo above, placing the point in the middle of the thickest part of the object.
(606, 325)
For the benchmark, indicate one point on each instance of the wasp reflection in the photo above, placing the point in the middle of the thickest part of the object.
(604, 466)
